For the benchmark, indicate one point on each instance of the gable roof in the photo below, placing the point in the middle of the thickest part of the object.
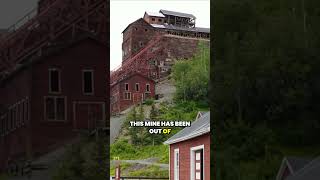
(310, 171)
(198, 127)
(140, 19)
(294, 165)
(174, 13)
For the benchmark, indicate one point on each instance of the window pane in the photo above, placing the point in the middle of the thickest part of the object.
(54, 84)
(87, 79)
(60, 109)
(50, 108)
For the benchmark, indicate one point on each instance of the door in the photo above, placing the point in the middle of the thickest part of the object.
(198, 164)
(88, 115)
(137, 97)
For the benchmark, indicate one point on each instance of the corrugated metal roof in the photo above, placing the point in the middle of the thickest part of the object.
(199, 127)
(179, 14)
(154, 14)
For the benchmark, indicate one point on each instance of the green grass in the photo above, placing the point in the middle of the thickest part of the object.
(126, 151)
(151, 171)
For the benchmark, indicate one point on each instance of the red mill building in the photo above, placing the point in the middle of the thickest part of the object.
(150, 46)
(53, 69)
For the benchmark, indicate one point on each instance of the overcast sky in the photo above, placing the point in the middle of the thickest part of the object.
(12, 10)
(124, 12)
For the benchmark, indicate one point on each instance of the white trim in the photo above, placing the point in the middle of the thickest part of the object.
(59, 79)
(124, 95)
(148, 84)
(125, 87)
(192, 160)
(176, 170)
(55, 108)
(92, 81)
(135, 87)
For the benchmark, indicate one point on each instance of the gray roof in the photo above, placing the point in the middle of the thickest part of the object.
(172, 27)
(173, 13)
(297, 163)
(199, 127)
(310, 171)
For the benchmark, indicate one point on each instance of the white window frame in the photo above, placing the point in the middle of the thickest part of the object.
(148, 85)
(192, 160)
(92, 81)
(135, 87)
(176, 164)
(125, 87)
(55, 108)
(124, 96)
(59, 74)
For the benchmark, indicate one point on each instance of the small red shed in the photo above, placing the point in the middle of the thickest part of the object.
(130, 90)
(190, 151)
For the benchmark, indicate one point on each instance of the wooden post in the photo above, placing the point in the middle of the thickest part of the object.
(118, 173)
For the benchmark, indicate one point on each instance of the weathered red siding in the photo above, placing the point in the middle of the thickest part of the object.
(33, 82)
(184, 151)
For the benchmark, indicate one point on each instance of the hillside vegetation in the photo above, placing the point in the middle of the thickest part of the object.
(191, 79)
(265, 85)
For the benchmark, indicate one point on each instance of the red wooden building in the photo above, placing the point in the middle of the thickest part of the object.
(130, 90)
(190, 151)
(45, 101)
(53, 74)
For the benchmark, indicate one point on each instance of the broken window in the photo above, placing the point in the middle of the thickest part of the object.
(137, 87)
(126, 86)
(88, 81)
(54, 80)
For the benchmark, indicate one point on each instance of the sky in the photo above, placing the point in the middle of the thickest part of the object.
(124, 12)
(13, 10)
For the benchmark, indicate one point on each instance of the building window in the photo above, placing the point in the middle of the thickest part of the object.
(2, 125)
(197, 162)
(152, 19)
(54, 80)
(137, 87)
(147, 87)
(145, 30)
(88, 84)
(127, 96)
(55, 108)
(126, 86)
(176, 164)
(160, 20)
